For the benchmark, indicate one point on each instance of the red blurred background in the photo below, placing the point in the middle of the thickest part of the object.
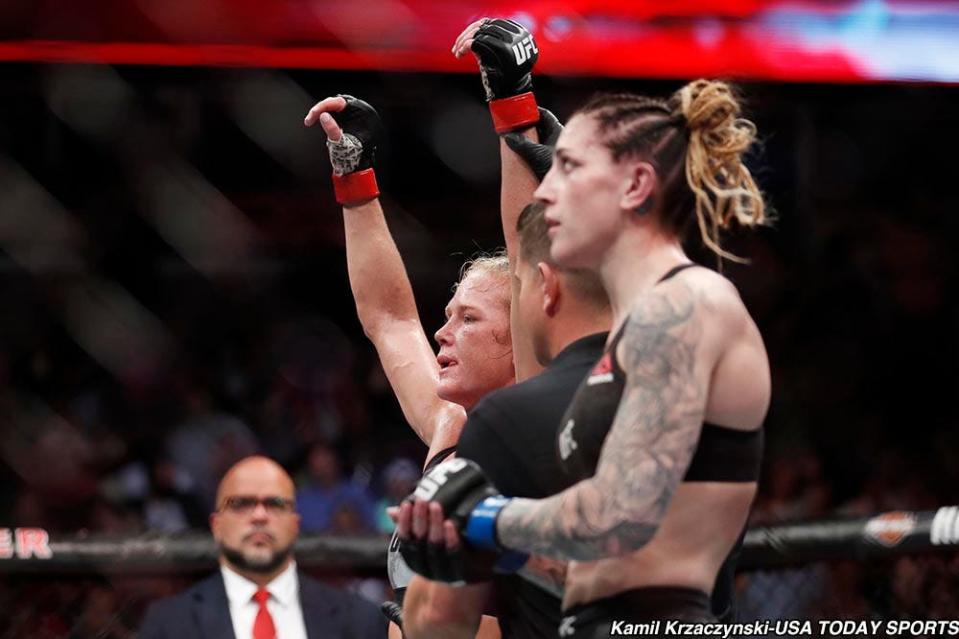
(862, 40)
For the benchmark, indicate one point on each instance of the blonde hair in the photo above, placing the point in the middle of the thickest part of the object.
(495, 264)
(696, 141)
(718, 138)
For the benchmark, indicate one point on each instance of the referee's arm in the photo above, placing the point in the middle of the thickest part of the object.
(433, 610)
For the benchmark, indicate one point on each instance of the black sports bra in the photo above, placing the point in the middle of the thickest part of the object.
(722, 454)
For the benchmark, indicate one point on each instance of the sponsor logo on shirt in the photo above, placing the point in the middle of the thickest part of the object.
(566, 442)
(602, 373)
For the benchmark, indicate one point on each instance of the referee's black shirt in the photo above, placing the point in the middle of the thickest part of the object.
(511, 434)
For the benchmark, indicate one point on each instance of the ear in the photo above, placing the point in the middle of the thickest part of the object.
(550, 287)
(215, 525)
(642, 183)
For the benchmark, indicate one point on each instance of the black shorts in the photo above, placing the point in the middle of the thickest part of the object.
(601, 618)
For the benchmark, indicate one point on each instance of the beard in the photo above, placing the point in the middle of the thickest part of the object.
(264, 564)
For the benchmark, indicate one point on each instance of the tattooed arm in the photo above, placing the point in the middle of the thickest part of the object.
(647, 450)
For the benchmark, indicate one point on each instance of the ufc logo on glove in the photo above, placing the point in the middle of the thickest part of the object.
(472, 504)
(438, 476)
(523, 49)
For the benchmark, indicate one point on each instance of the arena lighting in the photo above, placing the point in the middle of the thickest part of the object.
(852, 41)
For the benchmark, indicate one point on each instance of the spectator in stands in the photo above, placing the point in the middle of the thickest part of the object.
(258, 592)
(169, 505)
(207, 442)
(326, 491)
(399, 480)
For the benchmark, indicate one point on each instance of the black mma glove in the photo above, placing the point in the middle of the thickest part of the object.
(471, 502)
(507, 52)
(354, 181)
(393, 612)
(538, 156)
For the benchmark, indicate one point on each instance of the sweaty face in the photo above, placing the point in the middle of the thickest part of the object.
(582, 194)
(257, 538)
(475, 355)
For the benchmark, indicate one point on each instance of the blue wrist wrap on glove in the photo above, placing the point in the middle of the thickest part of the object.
(480, 531)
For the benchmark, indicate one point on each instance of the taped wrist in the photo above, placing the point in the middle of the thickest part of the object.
(355, 188)
(481, 525)
(513, 113)
(481, 532)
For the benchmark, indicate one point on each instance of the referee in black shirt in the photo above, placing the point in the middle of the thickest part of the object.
(511, 433)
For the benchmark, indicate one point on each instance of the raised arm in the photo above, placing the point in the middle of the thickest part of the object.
(516, 192)
(506, 53)
(381, 289)
(524, 163)
(385, 306)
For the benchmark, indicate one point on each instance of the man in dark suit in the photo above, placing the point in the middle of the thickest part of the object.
(258, 593)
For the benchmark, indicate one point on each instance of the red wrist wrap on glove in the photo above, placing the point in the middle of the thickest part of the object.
(517, 112)
(355, 188)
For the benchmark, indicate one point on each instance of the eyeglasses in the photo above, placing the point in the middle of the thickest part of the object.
(246, 504)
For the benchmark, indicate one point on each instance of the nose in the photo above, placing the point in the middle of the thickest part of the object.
(444, 336)
(546, 192)
(260, 512)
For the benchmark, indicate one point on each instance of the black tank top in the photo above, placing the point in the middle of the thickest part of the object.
(722, 454)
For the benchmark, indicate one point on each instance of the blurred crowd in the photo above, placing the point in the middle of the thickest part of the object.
(76, 468)
(135, 367)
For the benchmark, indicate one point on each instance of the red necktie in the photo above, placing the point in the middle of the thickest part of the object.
(263, 627)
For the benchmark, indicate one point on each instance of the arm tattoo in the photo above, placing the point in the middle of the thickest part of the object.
(547, 574)
(646, 453)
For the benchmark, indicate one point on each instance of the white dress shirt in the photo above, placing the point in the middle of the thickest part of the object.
(283, 604)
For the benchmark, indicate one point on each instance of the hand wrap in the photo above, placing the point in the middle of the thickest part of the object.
(354, 181)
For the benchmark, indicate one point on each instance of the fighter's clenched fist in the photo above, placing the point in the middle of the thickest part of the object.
(506, 52)
(353, 131)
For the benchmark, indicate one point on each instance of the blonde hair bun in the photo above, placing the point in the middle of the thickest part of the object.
(718, 139)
